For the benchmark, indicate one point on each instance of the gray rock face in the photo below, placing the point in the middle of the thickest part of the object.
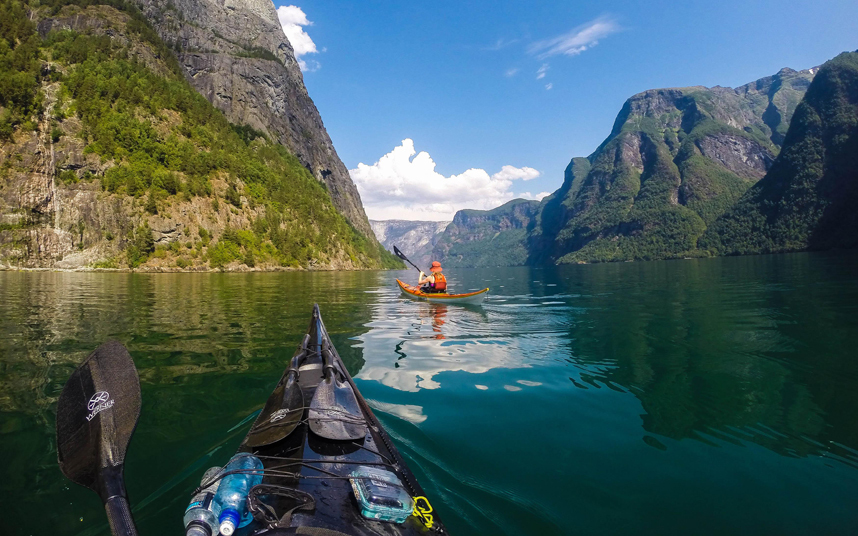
(414, 238)
(740, 155)
(234, 53)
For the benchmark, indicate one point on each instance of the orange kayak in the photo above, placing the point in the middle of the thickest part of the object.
(440, 297)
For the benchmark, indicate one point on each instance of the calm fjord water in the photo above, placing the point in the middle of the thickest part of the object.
(689, 397)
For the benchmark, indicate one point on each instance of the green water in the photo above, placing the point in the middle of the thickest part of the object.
(687, 397)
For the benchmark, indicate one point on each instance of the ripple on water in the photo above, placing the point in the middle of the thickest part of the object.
(723, 382)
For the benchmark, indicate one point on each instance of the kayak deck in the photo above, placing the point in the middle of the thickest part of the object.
(414, 292)
(308, 463)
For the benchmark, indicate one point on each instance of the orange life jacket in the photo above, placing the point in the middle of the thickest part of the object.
(440, 282)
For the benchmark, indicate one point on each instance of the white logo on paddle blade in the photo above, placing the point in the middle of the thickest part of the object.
(97, 398)
(280, 414)
(99, 402)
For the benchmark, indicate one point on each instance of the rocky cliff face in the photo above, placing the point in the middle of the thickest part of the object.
(110, 159)
(235, 54)
(808, 198)
(675, 161)
(488, 237)
(414, 238)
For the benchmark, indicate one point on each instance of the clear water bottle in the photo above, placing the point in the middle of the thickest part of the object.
(231, 496)
(201, 516)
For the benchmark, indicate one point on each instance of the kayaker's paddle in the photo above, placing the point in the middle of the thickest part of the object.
(97, 413)
(334, 410)
(402, 256)
(284, 408)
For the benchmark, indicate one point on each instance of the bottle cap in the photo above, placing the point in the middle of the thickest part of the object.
(228, 521)
(227, 528)
(198, 528)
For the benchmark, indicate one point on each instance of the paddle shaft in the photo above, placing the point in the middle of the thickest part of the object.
(119, 517)
(403, 257)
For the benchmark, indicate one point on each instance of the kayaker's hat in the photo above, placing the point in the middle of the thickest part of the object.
(436, 267)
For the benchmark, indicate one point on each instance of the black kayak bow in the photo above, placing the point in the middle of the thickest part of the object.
(97, 413)
(402, 256)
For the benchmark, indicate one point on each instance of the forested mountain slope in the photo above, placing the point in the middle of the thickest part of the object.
(676, 159)
(487, 237)
(809, 198)
(110, 158)
(236, 55)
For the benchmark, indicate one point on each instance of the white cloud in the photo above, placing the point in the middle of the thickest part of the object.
(549, 85)
(511, 173)
(403, 184)
(540, 73)
(293, 19)
(511, 72)
(501, 43)
(577, 40)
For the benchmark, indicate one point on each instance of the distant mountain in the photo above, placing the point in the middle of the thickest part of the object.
(675, 161)
(414, 238)
(488, 237)
(809, 198)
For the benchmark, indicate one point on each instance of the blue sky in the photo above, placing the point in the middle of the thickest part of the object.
(461, 81)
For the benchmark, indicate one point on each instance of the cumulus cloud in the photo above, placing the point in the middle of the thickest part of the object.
(293, 19)
(576, 40)
(403, 184)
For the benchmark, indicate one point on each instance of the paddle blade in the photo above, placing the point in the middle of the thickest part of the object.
(284, 408)
(334, 412)
(281, 414)
(399, 253)
(97, 413)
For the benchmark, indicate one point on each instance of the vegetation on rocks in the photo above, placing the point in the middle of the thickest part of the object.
(676, 161)
(163, 145)
(808, 199)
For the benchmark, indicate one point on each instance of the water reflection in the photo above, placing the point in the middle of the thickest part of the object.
(646, 392)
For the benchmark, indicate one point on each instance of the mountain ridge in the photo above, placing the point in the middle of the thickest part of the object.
(676, 160)
(109, 158)
(808, 199)
(221, 47)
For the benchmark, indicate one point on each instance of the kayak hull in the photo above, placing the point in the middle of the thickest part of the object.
(471, 298)
(313, 465)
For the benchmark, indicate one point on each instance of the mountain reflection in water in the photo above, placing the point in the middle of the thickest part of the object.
(702, 396)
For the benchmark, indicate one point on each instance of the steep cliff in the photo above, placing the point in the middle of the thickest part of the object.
(676, 159)
(809, 197)
(235, 54)
(109, 158)
(414, 238)
(488, 237)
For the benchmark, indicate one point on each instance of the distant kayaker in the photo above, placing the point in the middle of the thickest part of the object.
(436, 282)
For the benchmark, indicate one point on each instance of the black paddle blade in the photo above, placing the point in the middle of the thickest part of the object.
(97, 413)
(399, 253)
(334, 411)
(280, 416)
(283, 409)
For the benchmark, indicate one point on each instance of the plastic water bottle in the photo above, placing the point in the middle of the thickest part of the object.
(232, 494)
(201, 516)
